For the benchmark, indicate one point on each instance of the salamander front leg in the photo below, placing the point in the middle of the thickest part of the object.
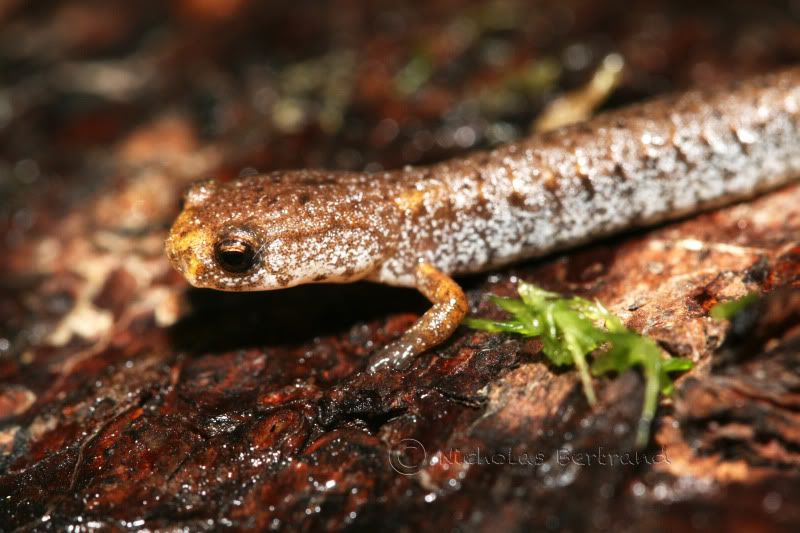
(434, 327)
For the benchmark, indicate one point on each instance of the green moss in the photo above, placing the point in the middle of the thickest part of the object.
(572, 330)
(727, 310)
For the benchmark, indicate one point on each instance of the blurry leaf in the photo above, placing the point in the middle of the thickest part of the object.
(414, 74)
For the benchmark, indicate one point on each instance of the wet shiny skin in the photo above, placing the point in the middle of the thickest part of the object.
(418, 226)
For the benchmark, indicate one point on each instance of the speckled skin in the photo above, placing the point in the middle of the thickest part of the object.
(415, 227)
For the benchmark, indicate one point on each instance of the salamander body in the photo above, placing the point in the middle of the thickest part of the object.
(417, 226)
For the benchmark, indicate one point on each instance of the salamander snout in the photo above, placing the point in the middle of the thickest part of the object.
(218, 259)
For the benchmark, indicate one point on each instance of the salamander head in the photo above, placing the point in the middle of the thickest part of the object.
(256, 234)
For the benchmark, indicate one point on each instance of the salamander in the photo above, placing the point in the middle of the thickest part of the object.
(420, 225)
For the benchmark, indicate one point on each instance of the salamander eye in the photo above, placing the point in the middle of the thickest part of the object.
(235, 255)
